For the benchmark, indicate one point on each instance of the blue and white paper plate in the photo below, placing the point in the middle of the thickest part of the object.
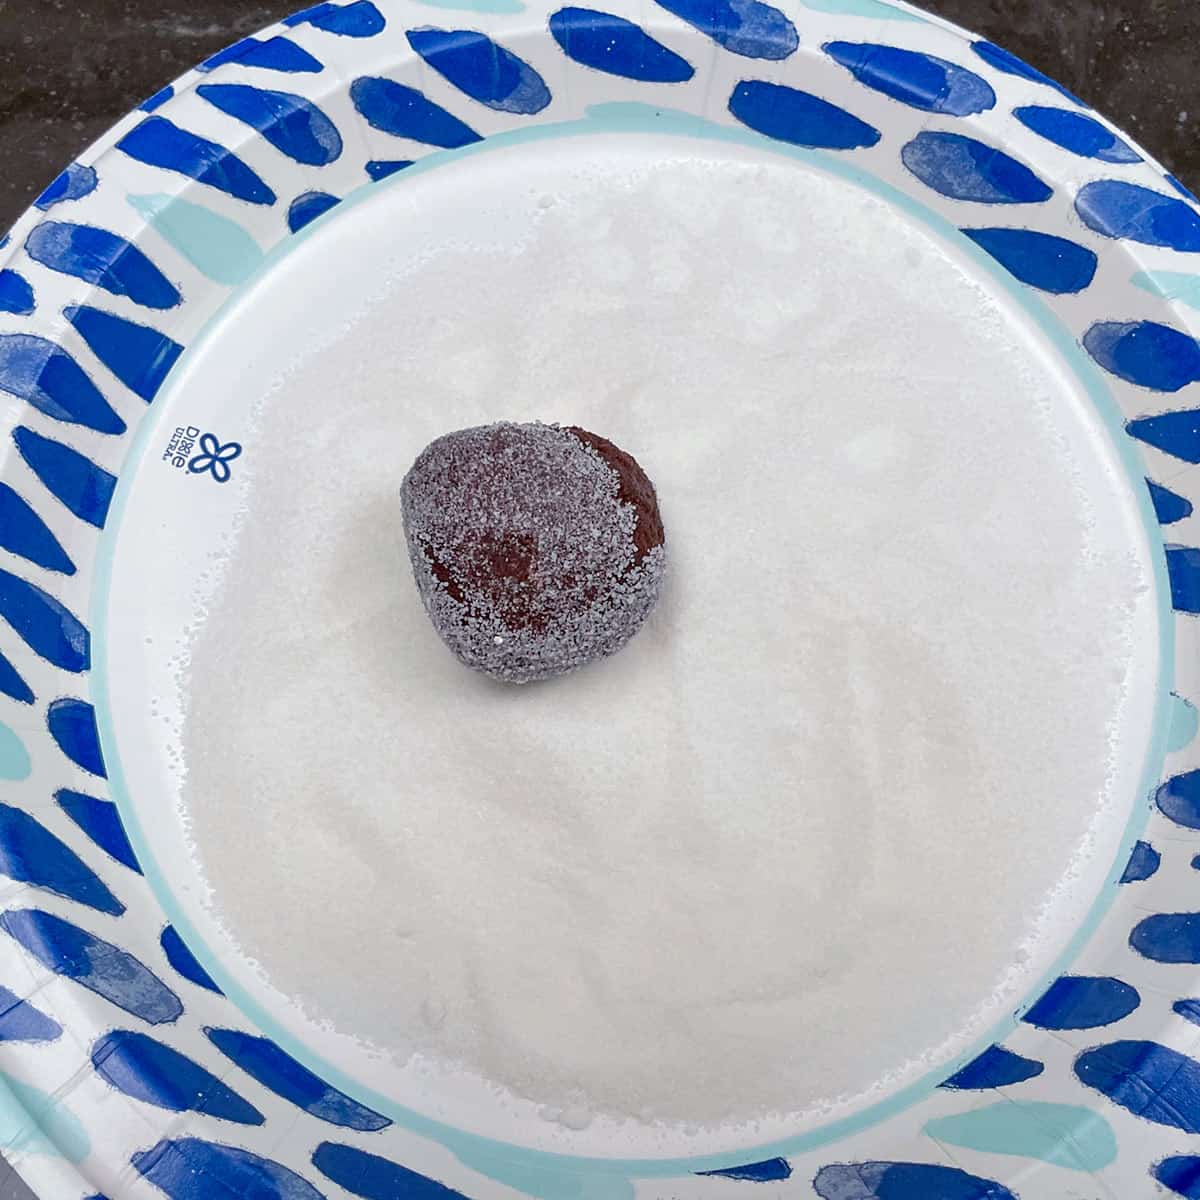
(126, 1068)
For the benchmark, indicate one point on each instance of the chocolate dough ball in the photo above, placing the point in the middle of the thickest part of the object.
(535, 548)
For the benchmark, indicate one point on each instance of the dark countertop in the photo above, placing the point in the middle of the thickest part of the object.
(70, 68)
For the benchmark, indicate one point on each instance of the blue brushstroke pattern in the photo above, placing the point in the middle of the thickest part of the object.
(307, 208)
(72, 725)
(1143, 862)
(1010, 64)
(74, 480)
(264, 1061)
(918, 80)
(1151, 1081)
(1118, 209)
(191, 1169)
(1169, 506)
(1183, 567)
(101, 258)
(93, 963)
(375, 1178)
(138, 1066)
(1145, 353)
(1183, 570)
(1041, 260)
(1175, 433)
(74, 183)
(23, 532)
(1179, 799)
(295, 126)
(158, 143)
(608, 43)
(21, 1022)
(12, 685)
(270, 54)
(30, 853)
(101, 821)
(360, 19)
(49, 629)
(1083, 1002)
(746, 27)
(965, 169)
(1180, 1173)
(1082, 135)
(770, 1170)
(46, 376)
(16, 296)
(798, 118)
(996, 1067)
(1168, 937)
(158, 99)
(904, 1181)
(1186, 193)
(140, 357)
(379, 168)
(481, 68)
(184, 961)
(404, 112)
(1189, 1010)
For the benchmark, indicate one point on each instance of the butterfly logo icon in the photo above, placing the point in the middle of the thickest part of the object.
(214, 458)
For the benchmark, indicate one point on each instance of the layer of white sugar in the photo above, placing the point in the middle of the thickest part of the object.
(837, 807)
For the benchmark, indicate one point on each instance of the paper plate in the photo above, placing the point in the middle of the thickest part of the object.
(135, 1062)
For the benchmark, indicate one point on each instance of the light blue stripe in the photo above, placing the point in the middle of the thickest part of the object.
(14, 758)
(34, 1122)
(874, 10)
(1185, 723)
(1177, 286)
(1061, 1134)
(220, 249)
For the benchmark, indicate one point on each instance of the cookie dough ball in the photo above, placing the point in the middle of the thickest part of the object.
(535, 548)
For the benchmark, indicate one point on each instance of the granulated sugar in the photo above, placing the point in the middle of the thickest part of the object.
(834, 810)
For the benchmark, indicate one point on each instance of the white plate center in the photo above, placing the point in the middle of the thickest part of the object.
(828, 818)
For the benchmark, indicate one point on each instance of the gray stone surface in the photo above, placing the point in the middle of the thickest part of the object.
(70, 68)
(11, 1187)
(1133, 60)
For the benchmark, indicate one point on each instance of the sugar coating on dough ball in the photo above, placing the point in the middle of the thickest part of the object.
(536, 548)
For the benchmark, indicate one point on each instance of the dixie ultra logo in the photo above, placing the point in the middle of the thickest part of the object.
(200, 453)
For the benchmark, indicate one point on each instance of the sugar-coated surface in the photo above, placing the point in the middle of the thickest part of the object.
(833, 811)
(523, 549)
